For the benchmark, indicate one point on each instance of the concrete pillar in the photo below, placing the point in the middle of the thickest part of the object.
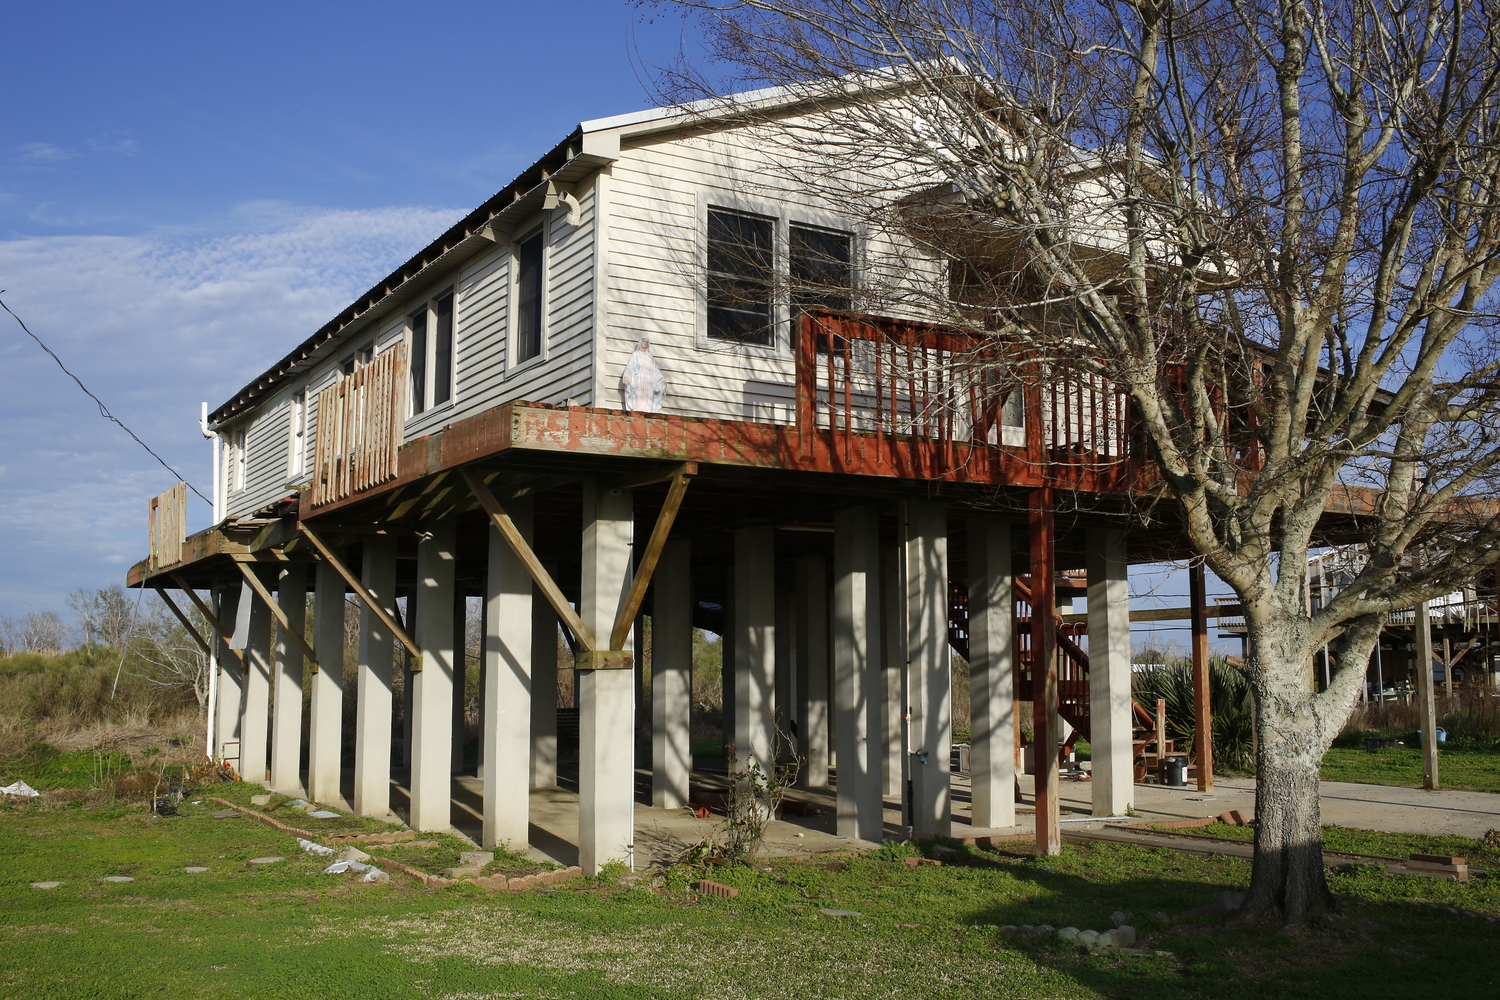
(857, 670)
(755, 646)
(727, 669)
(812, 670)
(672, 677)
(286, 714)
(606, 753)
(543, 689)
(231, 692)
(408, 683)
(892, 708)
(1109, 673)
(372, 749)
(326, 706)
(432, 685)
(786, 671)
(506, 736)
(929, 677)
(460, 680)
(255, 722)
(992, 676)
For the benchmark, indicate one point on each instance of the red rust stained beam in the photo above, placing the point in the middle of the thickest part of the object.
(1044, 671)
(539, 574)
(208, 613)
(330, 557)
(649, 558)
(295, 634)
(191, 630)
(1203, 719)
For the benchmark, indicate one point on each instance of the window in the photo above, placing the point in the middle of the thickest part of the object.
(297, 448)
(431, 354)
(822, 275)
(741, 267)
(237, 460)
(529, 298)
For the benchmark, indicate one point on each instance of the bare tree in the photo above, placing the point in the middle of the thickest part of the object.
(106, 615)
(1273, 224)
(38, 632)
(173, 660)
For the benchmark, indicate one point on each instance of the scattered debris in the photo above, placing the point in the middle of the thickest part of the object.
(308, 847)
(464, 871)
(117, 878)
(260, 800)
(708, 888)
(225, 814)
(325, 814)
(45, 885)
(22, 789)
(915, 862)
(479, 858)
(195, 869)
(396, 837)
(349, 854)
(1233, 818)
(265, 861)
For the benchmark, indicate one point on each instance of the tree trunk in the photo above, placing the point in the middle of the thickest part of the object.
(1288, 883)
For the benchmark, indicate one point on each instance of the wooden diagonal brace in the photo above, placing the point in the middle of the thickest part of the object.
(287, 629)
(224, 633)
(650, 558)
(362, 593)
(539, 574)
(191, 630)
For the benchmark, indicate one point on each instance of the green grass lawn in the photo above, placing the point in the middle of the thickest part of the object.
(1472, 771)
(286, 930)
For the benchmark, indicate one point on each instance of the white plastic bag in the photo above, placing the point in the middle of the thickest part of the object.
(311, 848)
(21, 788)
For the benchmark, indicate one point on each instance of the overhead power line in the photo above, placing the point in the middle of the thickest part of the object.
(103, 410)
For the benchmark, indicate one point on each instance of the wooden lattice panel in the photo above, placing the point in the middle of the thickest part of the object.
(360, 420)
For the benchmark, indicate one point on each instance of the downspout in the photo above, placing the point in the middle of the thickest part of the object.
(213, 656)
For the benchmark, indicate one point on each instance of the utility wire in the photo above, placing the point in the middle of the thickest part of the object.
(103, 410)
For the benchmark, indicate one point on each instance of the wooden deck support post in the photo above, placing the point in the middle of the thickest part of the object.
(505, 739)
(929, 664)
(374, 690)
(286, 692)
(326, 703)
(812, 670)
(1044, 669)
(1203, 714)
(992, 682)
(1426, 696)
(672, 678)
(432, 685)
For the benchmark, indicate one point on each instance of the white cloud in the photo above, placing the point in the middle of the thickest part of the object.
(42, 152)
(119, 147)
(153, 324)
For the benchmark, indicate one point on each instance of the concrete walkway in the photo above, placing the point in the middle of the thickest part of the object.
(661, 833)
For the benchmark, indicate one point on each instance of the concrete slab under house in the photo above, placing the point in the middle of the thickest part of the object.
(592, 400)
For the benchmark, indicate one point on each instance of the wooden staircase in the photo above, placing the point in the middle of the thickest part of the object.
(1072, 676)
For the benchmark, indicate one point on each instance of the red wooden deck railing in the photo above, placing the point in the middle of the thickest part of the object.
(953, 405)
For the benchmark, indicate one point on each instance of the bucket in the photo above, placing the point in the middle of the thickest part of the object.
(1174, 771)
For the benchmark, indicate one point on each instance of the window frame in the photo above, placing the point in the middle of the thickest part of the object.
(296, 464)
(784, 215)
(535, 228)
(425, 366)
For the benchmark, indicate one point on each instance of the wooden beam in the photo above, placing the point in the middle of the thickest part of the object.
(539, 574)
(359, 590)
(1203, 718)
(218, 626)
(650, 557)
(295, 634)
(1167, 614)
(657, 475)
(1044, 671)
(191, 630)
(1426, 696)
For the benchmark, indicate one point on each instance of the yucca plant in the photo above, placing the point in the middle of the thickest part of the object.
(1229, 698)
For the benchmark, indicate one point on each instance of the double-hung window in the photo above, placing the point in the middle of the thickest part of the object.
(297, 446)
(432, 353)
(741, 276)
(820, 265)
(529, 259)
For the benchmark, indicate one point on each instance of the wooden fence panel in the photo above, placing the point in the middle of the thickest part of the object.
(359, 428)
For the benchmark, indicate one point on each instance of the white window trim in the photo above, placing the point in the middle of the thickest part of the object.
(297, 443)
(426, 304)
(783, 215)
(536, 225)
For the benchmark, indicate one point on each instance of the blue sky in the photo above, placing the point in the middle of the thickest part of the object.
(188, 190)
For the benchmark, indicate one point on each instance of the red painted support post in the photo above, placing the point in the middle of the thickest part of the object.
(1203, 719)
(1044, 670)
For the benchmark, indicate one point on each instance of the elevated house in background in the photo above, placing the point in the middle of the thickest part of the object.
(832, 491)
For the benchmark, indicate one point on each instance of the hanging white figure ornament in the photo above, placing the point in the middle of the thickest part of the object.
(645, 386)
